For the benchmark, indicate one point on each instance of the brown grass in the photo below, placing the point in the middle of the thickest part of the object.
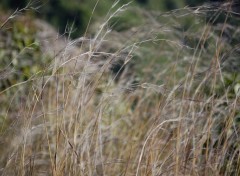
(78, 120)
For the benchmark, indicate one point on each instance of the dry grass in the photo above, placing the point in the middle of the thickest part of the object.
(80, 119)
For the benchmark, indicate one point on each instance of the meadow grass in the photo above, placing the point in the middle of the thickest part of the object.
(151, 100)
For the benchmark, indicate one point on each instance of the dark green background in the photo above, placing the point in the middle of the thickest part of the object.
(78, 12)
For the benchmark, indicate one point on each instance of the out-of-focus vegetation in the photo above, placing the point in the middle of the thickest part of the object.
(75, 14)
(19, 51)
(20, 56)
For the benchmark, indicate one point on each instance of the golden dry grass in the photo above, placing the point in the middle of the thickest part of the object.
(80, 119)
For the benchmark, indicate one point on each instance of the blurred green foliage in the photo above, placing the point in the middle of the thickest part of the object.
(74, 15)
(125, 21)
(64, 14)
(68, 15)
(20, 55)
(21, 60)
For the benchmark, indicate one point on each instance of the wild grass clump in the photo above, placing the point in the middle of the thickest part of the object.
(152, 100)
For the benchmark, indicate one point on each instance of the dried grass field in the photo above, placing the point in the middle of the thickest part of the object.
(157, 96)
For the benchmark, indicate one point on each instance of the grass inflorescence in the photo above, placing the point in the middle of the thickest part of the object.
(158, 97)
